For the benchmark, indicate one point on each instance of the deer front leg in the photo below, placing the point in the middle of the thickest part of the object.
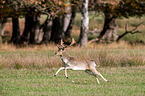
(66, 71)
(59, 70)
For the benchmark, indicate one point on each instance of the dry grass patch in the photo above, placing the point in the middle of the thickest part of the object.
(42, 56)
(33, 48)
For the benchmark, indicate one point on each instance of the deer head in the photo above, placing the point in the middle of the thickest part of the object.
(61, 47)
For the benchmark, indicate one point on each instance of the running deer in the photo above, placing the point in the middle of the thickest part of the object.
(75, 64)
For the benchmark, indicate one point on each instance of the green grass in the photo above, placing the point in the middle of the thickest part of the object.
(124, 81)
(30, 71)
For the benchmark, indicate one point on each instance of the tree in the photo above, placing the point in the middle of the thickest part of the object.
(62, 25)
(110, 25)
(116, 9)
(66, 19)
(16, 31)
(46, 26)
(83, 39)
(58, 11)
(15, 23)
(35, 21)
(2, 28)
(56, 33)
(32, 10)
(71, 22)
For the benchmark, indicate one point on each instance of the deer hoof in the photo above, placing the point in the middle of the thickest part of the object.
(54, 75)
(67, 77)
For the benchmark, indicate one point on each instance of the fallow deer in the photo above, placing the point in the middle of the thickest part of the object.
(76, 64)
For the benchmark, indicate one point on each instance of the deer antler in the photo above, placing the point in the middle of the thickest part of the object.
(64, 46)
(73, 42)
(61, 43)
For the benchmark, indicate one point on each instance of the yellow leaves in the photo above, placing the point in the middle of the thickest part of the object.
(111, 2)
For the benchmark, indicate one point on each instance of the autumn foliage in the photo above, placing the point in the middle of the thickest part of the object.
(112, 9)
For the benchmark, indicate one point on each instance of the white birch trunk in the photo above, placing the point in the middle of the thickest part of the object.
(83, 39)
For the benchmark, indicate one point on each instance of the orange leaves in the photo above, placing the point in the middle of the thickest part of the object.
(3, 2)
(123, 8)
(34, 6)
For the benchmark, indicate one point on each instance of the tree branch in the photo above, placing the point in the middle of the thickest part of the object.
(133, 31)
(96, 39)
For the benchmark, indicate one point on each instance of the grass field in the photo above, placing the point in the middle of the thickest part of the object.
(124, 81)
(30, 71)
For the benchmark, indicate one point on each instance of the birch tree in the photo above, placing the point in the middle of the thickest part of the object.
(83, 39)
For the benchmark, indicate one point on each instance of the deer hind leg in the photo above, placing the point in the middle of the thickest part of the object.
(96, 72)
(59, 70)
(90, 72)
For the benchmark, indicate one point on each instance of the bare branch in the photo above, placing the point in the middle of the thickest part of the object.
(96, 39)
(126, 27)
(133, 31)
(137, 26)
(73, 42)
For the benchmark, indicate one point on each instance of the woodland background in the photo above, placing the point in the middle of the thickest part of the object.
(45, 21)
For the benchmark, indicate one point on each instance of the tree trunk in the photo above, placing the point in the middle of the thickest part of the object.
(47, 31)
(71, 23)
(0, 31)
(66, 19)
(1, 40)
(4, 20)
(2, 28)
(26, 32)
(70, 26)
(56, 33)
(16, 31)
(65, 24)
(109, 31)
(34, 31)
(83, 39)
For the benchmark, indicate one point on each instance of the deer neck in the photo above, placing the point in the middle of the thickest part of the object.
(64, 57)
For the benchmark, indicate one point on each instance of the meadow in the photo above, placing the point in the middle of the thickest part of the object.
(123, 81)
(30, 70)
